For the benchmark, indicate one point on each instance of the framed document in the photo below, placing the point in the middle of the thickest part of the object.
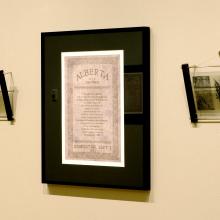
(93, 108)
(96, 107)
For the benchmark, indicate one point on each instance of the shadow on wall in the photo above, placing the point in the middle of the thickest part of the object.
(98, 193)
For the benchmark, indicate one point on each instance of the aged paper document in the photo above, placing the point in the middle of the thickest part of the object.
(93, 108)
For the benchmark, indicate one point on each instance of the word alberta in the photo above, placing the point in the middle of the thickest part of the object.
(92, 72)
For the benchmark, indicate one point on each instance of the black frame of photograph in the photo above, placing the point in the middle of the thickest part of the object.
(189, 93)
(135, 42)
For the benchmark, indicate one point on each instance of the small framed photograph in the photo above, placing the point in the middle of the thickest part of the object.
(96, 107)
(203, 92)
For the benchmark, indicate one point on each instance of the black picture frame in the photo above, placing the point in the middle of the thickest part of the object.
(135, 42)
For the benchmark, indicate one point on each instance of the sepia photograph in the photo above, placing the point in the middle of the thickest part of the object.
(203, 93)
(207, 92)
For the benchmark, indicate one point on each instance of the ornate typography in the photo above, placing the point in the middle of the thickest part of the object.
(92, 72)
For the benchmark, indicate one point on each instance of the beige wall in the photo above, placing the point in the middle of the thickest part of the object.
(185, 160)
